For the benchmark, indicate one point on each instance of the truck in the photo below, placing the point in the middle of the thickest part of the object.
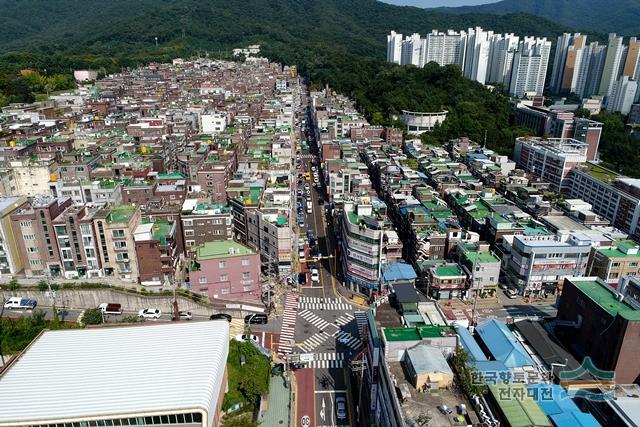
(18, 303)
(110, 308)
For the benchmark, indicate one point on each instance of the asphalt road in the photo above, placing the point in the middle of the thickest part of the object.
(326, 333)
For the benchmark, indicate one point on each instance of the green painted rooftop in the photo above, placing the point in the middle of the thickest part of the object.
(121, 214)
(222, 249)
(601, 174)
(416, 333)
(605, 297)
(161, 230)
(173, 175)
(449, 270)
(618, 252)
(518, 407)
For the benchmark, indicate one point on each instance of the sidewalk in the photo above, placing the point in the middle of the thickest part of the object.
(278, 405)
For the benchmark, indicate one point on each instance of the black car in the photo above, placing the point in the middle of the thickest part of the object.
(220, 316)
(256, 319)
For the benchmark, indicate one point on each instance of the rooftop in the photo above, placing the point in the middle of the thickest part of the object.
(121, 214)
(600, 173)
(448, 270)
(418, 333)
(119, 374)
(222, 249)
(607, 298)
(518, 407)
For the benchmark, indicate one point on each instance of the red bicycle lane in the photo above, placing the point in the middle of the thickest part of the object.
(305, 399)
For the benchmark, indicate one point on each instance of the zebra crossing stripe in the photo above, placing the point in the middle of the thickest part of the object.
(287, 331)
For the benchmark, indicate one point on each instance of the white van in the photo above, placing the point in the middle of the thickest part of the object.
(309, 210)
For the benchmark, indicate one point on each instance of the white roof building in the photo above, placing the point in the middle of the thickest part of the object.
(171, 374)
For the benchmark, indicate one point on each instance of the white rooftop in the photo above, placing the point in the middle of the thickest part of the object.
(114, 372)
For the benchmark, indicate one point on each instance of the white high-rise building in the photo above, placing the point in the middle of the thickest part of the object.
(530, 66)
(503, 48)
(593, 70)
(394, 47)
(570, 53)
(411, 50)
(445, 48)
(622, 95)
(612, 61)
(559, 61)
(476, 61)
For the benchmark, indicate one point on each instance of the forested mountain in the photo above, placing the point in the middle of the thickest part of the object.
(339, 42)
(603, 16)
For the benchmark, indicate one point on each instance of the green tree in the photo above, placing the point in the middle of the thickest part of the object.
(466, 374)
(242, 420)
(92, 316)
(43, 286)
(582, 112)
(13, 284)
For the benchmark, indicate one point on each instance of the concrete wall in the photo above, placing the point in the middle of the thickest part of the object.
(131, 303)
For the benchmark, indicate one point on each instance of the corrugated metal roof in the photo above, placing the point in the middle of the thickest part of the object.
(109, 372)
(503, 345)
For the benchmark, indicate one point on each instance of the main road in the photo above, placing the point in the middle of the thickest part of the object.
(327, 329)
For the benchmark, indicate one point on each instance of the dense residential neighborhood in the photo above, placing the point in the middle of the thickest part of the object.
(224, 242)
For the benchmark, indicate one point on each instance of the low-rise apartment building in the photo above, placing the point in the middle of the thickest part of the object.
(41, 254)
(205, 222)
(615, 262)
(115, 227)
(225, 269)
(77, 242)
(11, 261)
(157, 253)
(537, 265)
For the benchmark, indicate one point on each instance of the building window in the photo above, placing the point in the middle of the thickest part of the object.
(222, 264)
(245, 262)
(246, 288)
(189, 233)
(188, 222)
(225, 291)
(117, 233)
(120, 245)
(633, 264)
(85, 229)
(224, 277)
(61, 230)
(29, 237)
(202, 279)
(190, 243)
(246, 275)
(615, 264)
(32, 250)
(25, 223)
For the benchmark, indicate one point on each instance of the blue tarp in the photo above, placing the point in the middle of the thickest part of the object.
(503, 345)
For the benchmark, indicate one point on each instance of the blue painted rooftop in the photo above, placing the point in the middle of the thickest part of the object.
(398, 271)
(503, 345)
(414, 208)
(470, 345)
(558, 405)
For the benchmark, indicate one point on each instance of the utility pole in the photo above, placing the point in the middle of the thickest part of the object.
(473, 280)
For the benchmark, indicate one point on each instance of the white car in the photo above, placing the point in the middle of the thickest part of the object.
(315, 275)
(313, 168)
(301, 254)
(185, 315)
(341, 407)
(246, 337)
(150, 313)
(306, 185)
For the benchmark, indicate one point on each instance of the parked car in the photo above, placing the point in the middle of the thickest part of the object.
(341, 407)
(220, 316)
(256, 319)
(184, 315)
(445, 409)
(511, 293)
(17, 303)
(247, 337)
(110, 308)
(315, 275)
(150, 313)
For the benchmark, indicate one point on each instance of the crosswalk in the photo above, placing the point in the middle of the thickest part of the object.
(319, 303)
(313, 341)
(314, 319)
(326, 361)
(347, 339)
(344, 319)
(361, 321)
(287, 332)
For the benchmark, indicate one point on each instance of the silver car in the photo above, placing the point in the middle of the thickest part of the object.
(341, 408)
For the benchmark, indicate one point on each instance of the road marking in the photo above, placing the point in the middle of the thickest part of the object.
(287, 331)
(330, 391)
